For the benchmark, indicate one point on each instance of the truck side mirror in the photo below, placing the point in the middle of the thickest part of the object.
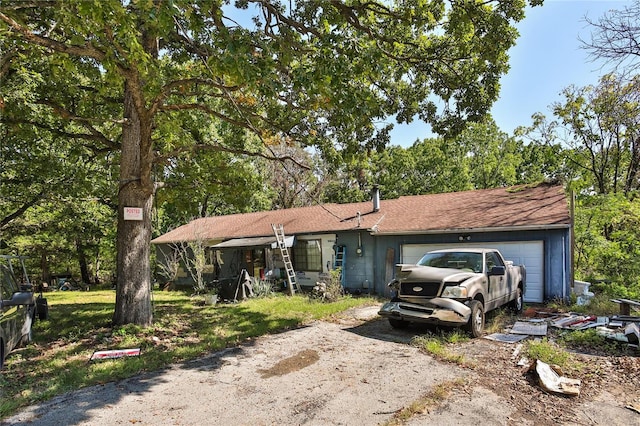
(20, 298)
(497, 270)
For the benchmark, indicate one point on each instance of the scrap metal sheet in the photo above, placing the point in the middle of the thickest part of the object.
(530, 328)
(505, 338)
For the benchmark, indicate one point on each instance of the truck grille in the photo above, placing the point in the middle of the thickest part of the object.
(423, 289)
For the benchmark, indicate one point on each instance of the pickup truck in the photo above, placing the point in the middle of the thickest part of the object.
(17, 311)
(454, 287)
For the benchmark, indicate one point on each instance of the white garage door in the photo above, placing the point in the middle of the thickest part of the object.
(528, 253)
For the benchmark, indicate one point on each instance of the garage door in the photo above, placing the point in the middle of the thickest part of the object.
(528, 253)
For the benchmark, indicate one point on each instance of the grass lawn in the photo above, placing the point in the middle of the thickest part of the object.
(79, 323)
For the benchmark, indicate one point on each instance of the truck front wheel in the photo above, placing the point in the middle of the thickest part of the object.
(475, 326)
(396, 323)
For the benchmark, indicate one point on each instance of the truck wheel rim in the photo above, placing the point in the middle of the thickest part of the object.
(478, 320)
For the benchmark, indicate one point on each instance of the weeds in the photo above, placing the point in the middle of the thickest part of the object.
(547, 352)
(590, 341)
(425, 403)
(436, 345)
(498, 320)
(599, 305)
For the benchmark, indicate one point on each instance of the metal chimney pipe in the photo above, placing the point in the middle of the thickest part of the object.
(375, 195)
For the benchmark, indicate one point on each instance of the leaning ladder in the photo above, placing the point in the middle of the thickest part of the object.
(278, 230)
(339, 262)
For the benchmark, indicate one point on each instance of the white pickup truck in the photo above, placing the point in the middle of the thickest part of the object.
(454, 287)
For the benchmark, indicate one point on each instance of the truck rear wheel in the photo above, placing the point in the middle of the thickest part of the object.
(475, 326)
(42, 308)
(517, 303)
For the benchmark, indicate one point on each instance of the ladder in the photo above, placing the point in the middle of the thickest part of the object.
(339, 261)
(278, 230)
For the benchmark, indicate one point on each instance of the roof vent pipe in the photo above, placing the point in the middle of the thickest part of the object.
(375, 195)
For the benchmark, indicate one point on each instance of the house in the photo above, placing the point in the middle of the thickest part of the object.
(529, 224)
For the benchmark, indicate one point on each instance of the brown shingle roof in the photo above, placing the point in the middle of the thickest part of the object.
(518, 207)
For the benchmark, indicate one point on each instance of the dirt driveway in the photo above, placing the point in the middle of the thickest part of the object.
(355, 370)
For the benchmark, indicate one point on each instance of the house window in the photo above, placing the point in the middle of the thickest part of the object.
(210, 255)
(307, 255)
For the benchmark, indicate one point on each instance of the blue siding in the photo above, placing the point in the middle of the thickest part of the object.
(359, 271)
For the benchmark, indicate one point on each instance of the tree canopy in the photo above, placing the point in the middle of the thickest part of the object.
(138, 83)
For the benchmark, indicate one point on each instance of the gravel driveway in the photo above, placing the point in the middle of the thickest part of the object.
(351, 371)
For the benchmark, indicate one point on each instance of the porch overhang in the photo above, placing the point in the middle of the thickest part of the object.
(253, 242)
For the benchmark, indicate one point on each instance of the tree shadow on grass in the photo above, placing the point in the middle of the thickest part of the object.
(73, 326)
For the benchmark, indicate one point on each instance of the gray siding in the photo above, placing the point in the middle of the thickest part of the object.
(358, 270)
(372, 266)
(368, 273)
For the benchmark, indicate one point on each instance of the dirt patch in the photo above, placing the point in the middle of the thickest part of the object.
(354, 369)
(497, 369)
(294, 363)
(508, 393)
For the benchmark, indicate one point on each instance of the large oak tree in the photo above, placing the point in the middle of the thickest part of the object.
(136, 79)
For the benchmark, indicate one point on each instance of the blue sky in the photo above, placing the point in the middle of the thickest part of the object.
(547, 58)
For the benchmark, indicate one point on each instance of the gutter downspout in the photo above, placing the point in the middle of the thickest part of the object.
(564, 269)
(572, 240)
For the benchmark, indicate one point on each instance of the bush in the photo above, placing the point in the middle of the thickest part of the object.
(262, 288)
(331, 291)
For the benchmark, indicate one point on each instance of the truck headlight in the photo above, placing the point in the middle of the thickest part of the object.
(454, 292)
(394, 284)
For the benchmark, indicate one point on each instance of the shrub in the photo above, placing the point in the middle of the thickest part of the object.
(262, 288)
(329, 291)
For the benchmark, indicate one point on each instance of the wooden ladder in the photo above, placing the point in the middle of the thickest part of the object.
(292, 281)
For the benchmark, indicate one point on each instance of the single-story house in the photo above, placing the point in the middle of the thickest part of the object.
(529, 224)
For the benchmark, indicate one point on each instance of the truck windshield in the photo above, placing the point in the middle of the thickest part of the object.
(455, 260)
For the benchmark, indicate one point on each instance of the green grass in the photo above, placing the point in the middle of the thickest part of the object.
(79, 323)
(436, 345)
(591, 342)
(599, 305)
(548, 352)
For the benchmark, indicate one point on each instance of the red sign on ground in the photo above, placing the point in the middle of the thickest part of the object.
(116, 353)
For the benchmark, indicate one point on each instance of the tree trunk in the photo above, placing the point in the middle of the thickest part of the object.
(82, 260)
(44, 267)
(96, 266)
(133, 288)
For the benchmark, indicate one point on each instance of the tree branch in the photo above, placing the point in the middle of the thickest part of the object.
(167, 90)
(206, 109)
(87, 50)
(616, 38)
(98, 137)
(20, 210)
(222, 148)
